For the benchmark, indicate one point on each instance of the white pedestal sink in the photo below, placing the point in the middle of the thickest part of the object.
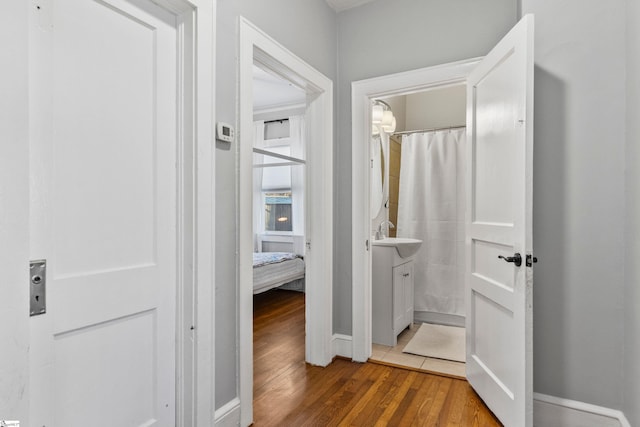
(405, 246)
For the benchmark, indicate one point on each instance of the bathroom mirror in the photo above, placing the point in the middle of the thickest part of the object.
(377, 175)
(383, 124)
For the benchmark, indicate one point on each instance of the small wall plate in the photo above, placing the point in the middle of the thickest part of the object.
(225, 132)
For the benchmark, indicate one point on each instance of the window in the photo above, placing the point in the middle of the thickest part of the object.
(276, 190)
(277, 211)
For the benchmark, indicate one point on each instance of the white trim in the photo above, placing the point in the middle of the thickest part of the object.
(557, 411)
(203, 374)
(195, 380)
(278, 114)
(341, 345)
(258, 47)
(438, 318)
(362, 93)
(278, 108)
(196, 300)
(228, 415)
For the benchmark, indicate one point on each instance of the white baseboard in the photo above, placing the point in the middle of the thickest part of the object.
(438, 318)
(550, 411)
(341, 345)
(228, 415)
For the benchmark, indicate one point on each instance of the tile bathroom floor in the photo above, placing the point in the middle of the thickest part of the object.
(394, 356)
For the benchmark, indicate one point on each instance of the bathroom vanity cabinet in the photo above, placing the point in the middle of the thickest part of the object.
(392, 295)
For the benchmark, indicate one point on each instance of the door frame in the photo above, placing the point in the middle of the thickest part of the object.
(257, 46)
(362, 93)
(195, 358)
(195, 208)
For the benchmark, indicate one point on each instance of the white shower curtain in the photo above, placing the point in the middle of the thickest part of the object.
(431, 208)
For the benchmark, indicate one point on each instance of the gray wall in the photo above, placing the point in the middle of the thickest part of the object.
(437, 108)
(14, 212)
(387, 37)
(631, 374)
(579, 199)
(308, 29)
(579, 184)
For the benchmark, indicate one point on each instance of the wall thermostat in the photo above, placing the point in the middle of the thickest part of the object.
(225, 132)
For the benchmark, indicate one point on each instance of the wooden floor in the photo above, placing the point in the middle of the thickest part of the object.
(288, 392)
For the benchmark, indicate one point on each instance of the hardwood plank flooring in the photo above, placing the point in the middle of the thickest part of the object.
(288, 392)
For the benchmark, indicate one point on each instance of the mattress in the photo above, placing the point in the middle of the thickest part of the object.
(280, 268)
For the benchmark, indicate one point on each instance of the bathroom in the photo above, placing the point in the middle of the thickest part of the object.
(417, 191)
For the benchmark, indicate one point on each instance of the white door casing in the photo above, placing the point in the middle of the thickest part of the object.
(256, 46)
(499, 223)
(113, 172)
(363, 92)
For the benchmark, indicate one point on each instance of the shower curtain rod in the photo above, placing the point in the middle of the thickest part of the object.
(408, 132)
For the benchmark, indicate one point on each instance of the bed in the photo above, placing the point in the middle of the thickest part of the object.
(274, 269)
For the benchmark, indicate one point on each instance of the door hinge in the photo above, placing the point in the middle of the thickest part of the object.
(366, 244)
(37, 286)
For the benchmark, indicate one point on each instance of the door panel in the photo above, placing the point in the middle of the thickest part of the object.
(398, 299)
(103, 117)
(104, 90)
(408, 293)
(496, 114)
(83, 372)
(499, 293)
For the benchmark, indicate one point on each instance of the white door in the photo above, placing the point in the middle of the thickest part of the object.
(103, 212)
(499, 293)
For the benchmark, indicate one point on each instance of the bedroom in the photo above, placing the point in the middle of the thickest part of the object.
(278, 183)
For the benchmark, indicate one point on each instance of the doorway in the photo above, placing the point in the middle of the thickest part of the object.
(498, 217)
(422, 196)
(279, 172)
(257, 48)
(364, 93)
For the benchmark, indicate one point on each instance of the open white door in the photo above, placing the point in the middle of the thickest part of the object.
(104, 124)
(499, 216)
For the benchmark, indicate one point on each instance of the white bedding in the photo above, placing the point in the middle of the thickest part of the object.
(268, 276)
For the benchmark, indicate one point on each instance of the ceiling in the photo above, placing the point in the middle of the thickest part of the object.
(340, 5)
(272, 93)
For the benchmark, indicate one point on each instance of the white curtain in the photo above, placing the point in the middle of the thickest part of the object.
(258, 206)
(297, 138)
(431, 208)
(295, 147)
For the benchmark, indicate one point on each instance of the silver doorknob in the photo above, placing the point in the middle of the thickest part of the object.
(516, 259)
